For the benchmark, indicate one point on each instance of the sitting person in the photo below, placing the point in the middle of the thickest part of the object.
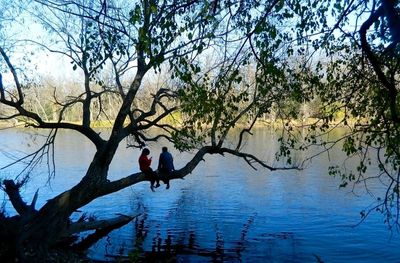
(144, 164)
(166, 165)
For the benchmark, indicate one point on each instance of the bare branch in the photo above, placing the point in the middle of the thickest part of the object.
(375, 15)
(12, 190)
(79, 227)
(16, 81)
(103, 228)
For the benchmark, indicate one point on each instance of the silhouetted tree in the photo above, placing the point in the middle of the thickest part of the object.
(135, 41)
(228, 61)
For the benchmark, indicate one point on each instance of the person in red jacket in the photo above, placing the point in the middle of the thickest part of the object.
(144, 164)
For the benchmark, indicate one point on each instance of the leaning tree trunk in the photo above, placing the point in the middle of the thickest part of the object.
(38, 231)
(41, 230)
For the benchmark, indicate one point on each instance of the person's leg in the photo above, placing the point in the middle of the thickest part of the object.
(156, 179)
(164, 177)
(167, 180)
(149, 174)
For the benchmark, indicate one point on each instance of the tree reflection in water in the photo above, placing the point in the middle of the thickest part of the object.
(173, 249)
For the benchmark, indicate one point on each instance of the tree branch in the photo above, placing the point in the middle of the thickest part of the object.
(20, 100)
(79, 227)
(103, 228)
(2, 95)
(12, 190)
(135, 178)
(376, 64)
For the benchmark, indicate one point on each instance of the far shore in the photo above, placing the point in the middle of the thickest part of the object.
(259, 124)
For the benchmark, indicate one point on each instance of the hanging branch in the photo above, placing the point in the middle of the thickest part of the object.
(2, 96)
(20, 100)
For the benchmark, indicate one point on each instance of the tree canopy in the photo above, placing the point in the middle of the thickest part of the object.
(225, 65)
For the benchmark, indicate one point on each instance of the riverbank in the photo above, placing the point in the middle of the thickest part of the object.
(274, 123)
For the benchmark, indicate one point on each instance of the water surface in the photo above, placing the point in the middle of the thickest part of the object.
(224, 211)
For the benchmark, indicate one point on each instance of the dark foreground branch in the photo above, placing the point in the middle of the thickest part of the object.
(251, 160)
(102, 227)
(12, 190)
(98, 224)
(135, 178)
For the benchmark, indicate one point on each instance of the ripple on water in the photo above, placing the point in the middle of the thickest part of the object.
(224, 211)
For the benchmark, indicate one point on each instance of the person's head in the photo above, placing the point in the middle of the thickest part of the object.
(164, 149)
(146, 151)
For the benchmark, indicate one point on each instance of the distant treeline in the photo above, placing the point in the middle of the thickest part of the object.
(45, 100)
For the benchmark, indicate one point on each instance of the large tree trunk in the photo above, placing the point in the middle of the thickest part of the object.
(37, 232)
(42, 230)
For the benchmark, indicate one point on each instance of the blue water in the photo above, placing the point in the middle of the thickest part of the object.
(224, 211)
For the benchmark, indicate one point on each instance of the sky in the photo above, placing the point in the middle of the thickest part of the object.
(26, 57)
(38, 63)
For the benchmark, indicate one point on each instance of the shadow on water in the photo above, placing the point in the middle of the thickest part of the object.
(178, 248)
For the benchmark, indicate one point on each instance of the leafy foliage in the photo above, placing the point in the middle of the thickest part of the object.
(356, 75)
(230, 63)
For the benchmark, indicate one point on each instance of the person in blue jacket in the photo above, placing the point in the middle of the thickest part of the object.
(166, 164)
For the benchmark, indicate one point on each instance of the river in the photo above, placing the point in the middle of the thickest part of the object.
(223, 212)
